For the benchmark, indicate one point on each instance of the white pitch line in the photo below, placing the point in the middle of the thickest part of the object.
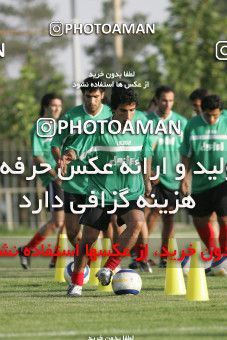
(113, 332)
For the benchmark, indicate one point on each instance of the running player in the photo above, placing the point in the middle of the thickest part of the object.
(75, 189)
(205, 142)
(113, 149)
(51, 107)
(166, 153)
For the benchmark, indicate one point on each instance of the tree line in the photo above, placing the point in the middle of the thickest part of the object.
(181, 54)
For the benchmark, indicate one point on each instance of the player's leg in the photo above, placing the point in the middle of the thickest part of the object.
(201, 215)
(151, 216)
(206, 203)
(223, 234)
(221, 210)
(219, 264)
(215, 224)
(141, 249)
(72, 223)
(134, 220)
(140, 246)
(205, 231)
(109, 233)
(89, 236)
(207, 235)
(94, 221)
(73, 228)
(117, 230)
(219, 203)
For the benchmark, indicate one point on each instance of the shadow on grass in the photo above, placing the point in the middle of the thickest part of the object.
(154, 289)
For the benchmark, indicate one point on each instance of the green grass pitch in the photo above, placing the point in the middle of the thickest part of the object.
(33, 306)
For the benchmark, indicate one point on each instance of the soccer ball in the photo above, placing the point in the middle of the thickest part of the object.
(126, 281)
(69, 269)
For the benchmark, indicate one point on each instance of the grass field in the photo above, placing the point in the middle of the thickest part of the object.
(33, 306)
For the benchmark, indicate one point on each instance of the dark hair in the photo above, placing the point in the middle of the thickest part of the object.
(198, 94)
(45, 102)
(122, 94)
(162, 89)
(211, 102)
(91, 84)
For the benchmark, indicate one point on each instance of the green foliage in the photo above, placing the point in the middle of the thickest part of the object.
(186, 45)
(26, 93)
(25, 25)
(222, 7)
(137, 56)
(27, 42)
(180, 53)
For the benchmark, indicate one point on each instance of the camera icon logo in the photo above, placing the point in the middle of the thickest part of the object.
(56, 29)
(221, 50)
(46, 127)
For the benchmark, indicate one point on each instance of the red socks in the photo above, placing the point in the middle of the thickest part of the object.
(78, 278)
(112, 262)
(37, 239)
(223, 239)
(141, 251)
(206, 234)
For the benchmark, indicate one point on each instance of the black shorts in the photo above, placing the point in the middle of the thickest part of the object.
(53, 190)
(98, 218)
(162, 193)
(75, 198)
(214, 199)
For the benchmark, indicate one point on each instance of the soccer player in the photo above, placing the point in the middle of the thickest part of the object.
(75, 189)
(166, 151)
(51, 107)
(111, 149)
(196, 98)
(205, 142)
